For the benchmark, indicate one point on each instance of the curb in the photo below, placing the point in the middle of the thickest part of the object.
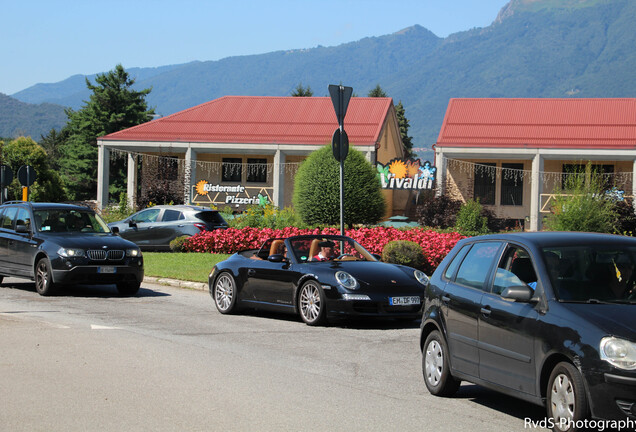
(177, 283)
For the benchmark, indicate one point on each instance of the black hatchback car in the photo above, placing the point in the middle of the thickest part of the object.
(62, 244)
(546, 317)
(155, 227)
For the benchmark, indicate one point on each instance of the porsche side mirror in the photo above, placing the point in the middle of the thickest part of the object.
(276, 258)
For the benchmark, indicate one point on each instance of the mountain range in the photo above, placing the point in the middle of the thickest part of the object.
(533, 48)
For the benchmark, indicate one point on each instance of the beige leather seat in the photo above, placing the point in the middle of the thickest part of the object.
(314, 249)
(276, 247)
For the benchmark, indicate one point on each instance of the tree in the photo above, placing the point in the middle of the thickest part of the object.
(301, 91)
(24, 151)
(403, 122)
(377, 92)
(52, 144)
(317, 190)
(583, 205)
(112, 106)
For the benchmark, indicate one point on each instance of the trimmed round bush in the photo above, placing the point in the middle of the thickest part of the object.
(179, 244)
(317, 190)
(404, 252)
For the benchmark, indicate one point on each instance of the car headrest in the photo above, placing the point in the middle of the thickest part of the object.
(276, 247)
(314, 249)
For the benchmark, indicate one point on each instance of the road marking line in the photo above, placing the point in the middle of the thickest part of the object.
(101, 327)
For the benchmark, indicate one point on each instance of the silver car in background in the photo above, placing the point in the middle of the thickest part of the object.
(155, 227)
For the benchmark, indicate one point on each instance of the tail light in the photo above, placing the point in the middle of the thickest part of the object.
(201, 226)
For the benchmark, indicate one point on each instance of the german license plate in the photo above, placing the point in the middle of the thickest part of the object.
(106, 269)
(404, 301)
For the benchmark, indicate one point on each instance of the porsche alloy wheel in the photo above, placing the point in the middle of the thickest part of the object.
(225, 293)
(311, 304)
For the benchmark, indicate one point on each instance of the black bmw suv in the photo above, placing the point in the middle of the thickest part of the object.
(63, 244)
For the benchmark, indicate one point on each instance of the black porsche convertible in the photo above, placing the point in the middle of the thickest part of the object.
(318, 277)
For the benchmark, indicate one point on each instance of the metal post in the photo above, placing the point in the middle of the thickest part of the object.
(341, 100)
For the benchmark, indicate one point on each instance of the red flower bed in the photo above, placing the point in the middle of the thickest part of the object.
(435, 245)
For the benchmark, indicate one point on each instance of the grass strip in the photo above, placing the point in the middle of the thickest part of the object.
(193, 267)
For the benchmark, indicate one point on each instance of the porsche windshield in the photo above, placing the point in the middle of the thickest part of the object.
(314, 249)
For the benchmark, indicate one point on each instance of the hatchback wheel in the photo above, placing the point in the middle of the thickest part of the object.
(435, 368)
(225, 293)
(44, 278)
(311, 304)
(567, 401)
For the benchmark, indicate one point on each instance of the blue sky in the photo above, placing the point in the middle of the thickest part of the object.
(44, 41)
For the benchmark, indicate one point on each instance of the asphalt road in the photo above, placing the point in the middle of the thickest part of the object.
(166, 360)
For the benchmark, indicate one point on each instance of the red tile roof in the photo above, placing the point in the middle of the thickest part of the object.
(540, 123)
(255, 119)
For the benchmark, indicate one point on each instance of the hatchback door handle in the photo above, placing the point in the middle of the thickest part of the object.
(251, 272)
(486, 311)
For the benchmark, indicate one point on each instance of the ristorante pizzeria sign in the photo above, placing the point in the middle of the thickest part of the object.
(407, 174)
(229, 194)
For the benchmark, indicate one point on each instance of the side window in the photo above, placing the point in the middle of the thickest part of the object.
(7, 217)
(475, 267)
(23, 218)
(149, 215)
(452, 267)
(171, 216)
(515, 269)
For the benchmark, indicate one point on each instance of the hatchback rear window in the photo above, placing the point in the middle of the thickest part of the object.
(210, 217)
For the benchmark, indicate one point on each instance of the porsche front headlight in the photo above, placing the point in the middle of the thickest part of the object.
(421, 277)
(346, 280)
(618, 352)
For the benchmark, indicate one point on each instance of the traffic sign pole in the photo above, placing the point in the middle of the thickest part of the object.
(340, 96)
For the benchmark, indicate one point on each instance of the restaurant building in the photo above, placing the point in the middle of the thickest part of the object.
(514, 154)
(242, 150)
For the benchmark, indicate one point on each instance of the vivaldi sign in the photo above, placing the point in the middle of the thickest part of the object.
(407, 174)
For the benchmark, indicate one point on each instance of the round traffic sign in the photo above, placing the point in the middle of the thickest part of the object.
(6, 175)
(27, 175)
(340, 153)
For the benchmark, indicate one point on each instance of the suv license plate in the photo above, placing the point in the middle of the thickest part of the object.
(106, 269)
(404, 301)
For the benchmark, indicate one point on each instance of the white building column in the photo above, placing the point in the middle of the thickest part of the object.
(634, 185)
(535, 193)
(279, 179)
(440, 164)
(190, 174)
(131, 181)
(103, 173)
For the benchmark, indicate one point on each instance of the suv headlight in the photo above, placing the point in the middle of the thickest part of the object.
(346, 280)
(618, 352)
(421, 277)
(133, 252)
(70, 252)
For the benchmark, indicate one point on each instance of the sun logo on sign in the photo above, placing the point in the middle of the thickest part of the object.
(200, 187)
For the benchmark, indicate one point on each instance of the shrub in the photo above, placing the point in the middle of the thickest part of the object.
(317, 190)
(267, 216)
(470, 218)
(179, 244)
(438, 212)
(404, 252)
(583, 205)
(626, 223)
(117, 212)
